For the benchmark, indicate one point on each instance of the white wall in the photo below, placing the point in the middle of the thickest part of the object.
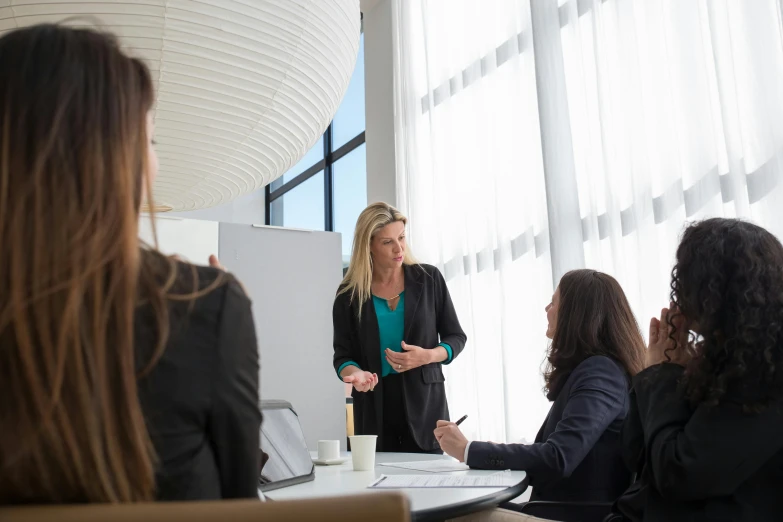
(248, 209)
(193, 240)
(379, 102)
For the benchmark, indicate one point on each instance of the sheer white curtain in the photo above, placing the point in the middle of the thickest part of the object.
(537, 136)
(676, 114)
(471, 181)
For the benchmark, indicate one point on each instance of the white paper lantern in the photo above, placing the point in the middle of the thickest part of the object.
(244, 87)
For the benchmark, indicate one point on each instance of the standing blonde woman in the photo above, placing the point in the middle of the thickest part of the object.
(394, 326)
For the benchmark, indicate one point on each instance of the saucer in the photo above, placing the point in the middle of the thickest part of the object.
(331, 462)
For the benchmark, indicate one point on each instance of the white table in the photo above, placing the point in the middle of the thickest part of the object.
(426, 504)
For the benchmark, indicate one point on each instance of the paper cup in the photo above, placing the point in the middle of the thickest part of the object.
(363, 452)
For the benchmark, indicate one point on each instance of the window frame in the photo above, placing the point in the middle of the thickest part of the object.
(327, 165)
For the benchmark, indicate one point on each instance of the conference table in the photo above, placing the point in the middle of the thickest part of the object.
(427, 504)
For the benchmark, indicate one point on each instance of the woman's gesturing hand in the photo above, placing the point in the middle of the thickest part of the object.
(411, 357)
(362, 381)
(662, 348)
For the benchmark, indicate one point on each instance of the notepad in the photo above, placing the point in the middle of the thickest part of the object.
(501, 479)
(430, 466)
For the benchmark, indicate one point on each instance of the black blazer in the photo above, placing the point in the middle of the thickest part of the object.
(430, 318)
(200, 400)
(702, 464)
(577, 454)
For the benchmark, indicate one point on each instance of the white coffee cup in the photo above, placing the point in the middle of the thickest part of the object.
(363, 452)
(328, 450)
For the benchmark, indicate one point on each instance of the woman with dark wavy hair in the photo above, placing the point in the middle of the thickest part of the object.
(706, 424)
(127, 376)
(596, 349)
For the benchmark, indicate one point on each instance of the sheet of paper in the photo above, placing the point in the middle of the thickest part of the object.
(496, 480)
(430, 466)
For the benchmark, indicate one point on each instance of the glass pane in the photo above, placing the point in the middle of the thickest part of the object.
(302, 207)
(349, 120)
(313, 156)
(350, 195)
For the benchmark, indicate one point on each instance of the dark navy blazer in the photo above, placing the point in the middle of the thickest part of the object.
(577, 454)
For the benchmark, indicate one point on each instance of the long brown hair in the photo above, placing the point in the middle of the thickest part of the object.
(73, 153)
(593, 318)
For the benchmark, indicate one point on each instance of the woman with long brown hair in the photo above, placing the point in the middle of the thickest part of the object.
(127, 376)
(596, 349)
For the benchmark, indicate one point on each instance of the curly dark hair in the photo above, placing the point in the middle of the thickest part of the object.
(728, 282)
(593, 318)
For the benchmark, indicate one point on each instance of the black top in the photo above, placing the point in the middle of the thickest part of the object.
(430, 318)
(201, 399)
(576, 455)
(704, 463)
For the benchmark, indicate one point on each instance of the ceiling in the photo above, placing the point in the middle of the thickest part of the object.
(244, 87)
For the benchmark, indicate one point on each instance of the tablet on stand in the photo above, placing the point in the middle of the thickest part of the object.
(285, 458)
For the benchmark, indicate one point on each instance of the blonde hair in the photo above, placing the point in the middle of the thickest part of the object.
(358, 278)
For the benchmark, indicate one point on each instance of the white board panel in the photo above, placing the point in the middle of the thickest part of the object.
(292, 277)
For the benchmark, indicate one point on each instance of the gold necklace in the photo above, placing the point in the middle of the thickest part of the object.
(388, 299)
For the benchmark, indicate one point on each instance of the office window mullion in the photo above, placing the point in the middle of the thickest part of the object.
(267, 206)
(328, 181)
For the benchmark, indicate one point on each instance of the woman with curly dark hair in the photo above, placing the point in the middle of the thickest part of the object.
(596, 349)
(706, 424)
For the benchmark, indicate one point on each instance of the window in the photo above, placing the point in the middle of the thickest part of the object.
(350, 195)
(301, 208)
(327, 188)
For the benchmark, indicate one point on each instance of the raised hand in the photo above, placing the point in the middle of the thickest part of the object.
(214, 262)
(362, 381)
(662, 348)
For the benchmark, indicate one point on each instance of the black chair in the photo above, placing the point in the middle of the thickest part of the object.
(566, 511)
(569, 511)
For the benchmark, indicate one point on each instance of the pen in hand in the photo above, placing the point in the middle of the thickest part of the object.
(460, 421)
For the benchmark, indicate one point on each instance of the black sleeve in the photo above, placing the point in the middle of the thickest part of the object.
(703, 452)
(449, 329)
(598, 396)
(235, 417)
(341, 320)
